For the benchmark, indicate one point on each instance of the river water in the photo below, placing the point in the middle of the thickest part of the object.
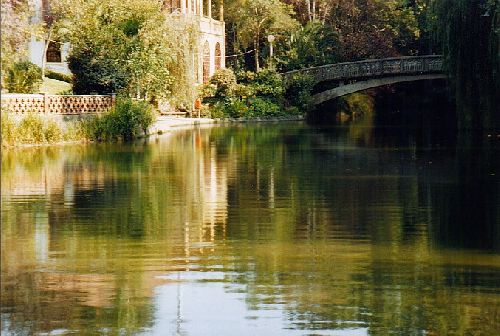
(269, 229)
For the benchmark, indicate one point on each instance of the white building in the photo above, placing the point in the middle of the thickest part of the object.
(208, 16)
(57, 53)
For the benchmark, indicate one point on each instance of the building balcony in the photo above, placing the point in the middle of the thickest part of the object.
(206, 24)
(211, 26)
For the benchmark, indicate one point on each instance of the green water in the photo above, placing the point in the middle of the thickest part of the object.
(253, 230)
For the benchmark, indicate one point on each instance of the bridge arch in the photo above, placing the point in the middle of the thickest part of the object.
(368, 74)
(343, 90)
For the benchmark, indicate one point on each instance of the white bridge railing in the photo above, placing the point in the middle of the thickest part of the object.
(372, 68)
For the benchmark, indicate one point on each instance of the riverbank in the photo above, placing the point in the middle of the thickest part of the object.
(168, 124)
(165, 124)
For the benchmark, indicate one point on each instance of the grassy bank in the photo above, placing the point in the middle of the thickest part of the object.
(127, 120)
(34, 130)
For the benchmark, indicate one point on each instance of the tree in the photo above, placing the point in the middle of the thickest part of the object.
(51, 27)
(373, 28)
(15, 27)
(312, 45)
(130, 46)
(470, 34)
(253, 20)
(311, 10)
(23, 77)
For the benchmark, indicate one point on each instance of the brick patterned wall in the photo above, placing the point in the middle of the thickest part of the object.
(56, 104)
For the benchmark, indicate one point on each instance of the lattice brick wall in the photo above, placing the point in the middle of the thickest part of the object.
(56, 104)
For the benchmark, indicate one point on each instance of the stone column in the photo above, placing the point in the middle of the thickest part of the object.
(45, 103)
(209, 8)
(200, 7)
(183, 6)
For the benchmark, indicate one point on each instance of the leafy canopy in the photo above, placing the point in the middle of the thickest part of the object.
(128, 46)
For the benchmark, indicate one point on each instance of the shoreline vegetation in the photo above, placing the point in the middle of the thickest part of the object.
(227, 98)
(137, 50)
(52, 134)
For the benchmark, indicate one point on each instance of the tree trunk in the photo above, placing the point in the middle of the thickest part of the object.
(256, 52)
(221, 10)
(314, 9)
(45, 48)
(308, 4)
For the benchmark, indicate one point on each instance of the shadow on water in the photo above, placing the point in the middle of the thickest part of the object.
(464, 197)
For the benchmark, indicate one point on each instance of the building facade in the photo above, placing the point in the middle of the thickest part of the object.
(207, 15)
(57, 53)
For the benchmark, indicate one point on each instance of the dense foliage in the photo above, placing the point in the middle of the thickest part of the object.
(23, 77)
(132, 47)
(32, 129)
(251, 21)
(129, 119)
(329, 30)
(15, 28)
(135, 48)
(312, 45)
(260, 94)
(298, 91)
(470, 33)
(59, 76)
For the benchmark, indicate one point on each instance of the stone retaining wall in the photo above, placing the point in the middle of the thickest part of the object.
(56, 104)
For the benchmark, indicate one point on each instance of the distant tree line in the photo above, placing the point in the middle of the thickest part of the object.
(131, 46)
(315, 32)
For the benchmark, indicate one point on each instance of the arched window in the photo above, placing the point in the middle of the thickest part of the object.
(54, 52)
(205, 5)
(218, 56)
(172, 6)
(206, 62)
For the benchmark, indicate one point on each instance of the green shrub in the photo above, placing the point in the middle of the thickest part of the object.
(24, 77)
(53, 132)
(264, 83)
(260, 107)
(244, 91)
(292, 110)
(130, 117)
(93, 74)
(207, 91)
(8, 130)
(224, 81)
(218, 111)
(261, 94)
(125, 121)
(31, 130)
(68, 92)
(236, 108)
(74, 132)
(59, 76)
(93, 128)
(299, 91)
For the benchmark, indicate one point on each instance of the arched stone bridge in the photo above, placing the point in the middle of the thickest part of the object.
(358, 76)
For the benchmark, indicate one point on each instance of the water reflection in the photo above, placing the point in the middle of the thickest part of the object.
(286, 229)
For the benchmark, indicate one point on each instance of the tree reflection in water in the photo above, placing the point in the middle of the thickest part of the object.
(340, 228)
